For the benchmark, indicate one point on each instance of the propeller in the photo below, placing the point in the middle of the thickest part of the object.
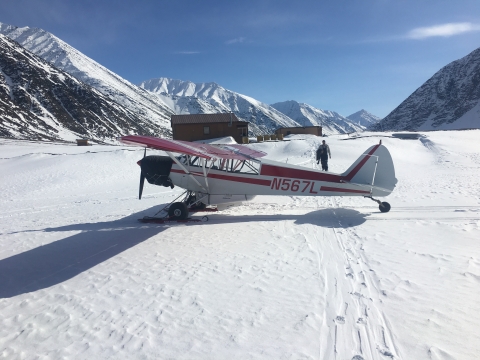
(142, 176)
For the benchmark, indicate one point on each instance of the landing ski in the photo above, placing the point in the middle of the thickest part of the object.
(158, 220)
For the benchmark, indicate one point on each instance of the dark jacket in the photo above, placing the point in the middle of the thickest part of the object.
(323, 152)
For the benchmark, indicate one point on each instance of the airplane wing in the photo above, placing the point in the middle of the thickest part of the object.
(238, 152)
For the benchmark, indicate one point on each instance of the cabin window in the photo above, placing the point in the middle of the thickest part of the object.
(182, 159)
(194, 161)
(243, 130)
(240, 166)
(228, 165)
(206, 130)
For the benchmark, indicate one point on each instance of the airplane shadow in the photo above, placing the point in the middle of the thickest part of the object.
(330, 218)
(54, 263)
(334, 218)
(61, 260)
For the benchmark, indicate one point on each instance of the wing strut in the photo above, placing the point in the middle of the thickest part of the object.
(185, 170)
(205, 174)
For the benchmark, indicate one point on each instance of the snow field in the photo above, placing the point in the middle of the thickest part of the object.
(279, 277)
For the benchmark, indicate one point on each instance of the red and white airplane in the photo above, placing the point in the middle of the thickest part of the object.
(227, 175)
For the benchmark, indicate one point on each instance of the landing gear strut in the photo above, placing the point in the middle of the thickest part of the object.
(178, 211)
(382, 206)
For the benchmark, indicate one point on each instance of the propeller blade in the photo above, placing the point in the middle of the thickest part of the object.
(142, 177)
(142, 181)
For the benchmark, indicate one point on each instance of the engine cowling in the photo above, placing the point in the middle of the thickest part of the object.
(156, 169)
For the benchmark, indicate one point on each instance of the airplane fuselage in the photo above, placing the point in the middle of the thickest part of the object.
(273, 178)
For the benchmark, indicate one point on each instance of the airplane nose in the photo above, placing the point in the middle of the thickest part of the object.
(156, 169)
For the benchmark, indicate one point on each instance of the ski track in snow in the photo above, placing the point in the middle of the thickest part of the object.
(352, 323)
(278, 277)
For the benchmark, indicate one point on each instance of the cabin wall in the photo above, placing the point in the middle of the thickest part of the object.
(195, 132)
(312, 130)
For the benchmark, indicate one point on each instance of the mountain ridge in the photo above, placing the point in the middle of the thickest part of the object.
(40, 102)
(449, 100)
(188, 98)
(154, 100)
(364, 118)
(307, 115)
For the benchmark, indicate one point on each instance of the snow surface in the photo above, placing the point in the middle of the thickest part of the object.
(276, 278)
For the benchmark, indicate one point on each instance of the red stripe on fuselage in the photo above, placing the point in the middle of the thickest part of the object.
(278, 171)
(327, 188)
(240, 179)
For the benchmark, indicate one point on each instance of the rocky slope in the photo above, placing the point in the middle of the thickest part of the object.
(147, 108)
(449, 100)
(38, 101)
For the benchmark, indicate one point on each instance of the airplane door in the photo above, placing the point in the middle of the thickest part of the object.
(183, 181)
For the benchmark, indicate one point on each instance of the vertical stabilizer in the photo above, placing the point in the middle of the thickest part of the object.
(373, 169)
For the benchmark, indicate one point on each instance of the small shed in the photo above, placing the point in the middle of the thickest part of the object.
(193, 127)
(312, 130)
(82, 142)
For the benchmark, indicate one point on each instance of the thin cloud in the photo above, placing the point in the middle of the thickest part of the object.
(235, 41)
(443, 30)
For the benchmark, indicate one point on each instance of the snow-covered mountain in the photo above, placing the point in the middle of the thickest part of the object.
(148, 108)
(38, 101)
(449, 100)
(306, 115)
(186, 97)
(363, 118)
(155, 100)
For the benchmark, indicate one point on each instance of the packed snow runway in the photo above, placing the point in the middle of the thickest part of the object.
(276, 278)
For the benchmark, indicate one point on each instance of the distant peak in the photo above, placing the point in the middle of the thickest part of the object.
(7, 27)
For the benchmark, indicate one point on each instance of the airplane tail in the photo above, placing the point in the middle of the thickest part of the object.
(373, 170)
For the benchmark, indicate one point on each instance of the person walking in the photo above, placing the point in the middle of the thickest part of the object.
(323, 153)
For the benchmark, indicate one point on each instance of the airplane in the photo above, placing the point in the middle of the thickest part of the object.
(219, 176)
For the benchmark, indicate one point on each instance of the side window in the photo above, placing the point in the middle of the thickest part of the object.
(206, 130)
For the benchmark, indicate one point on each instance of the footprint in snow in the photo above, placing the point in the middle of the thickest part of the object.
(361, 321)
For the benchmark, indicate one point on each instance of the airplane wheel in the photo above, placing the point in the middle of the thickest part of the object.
(384, 207)
(178, 211)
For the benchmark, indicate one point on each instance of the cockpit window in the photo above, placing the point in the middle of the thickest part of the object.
(227, 165)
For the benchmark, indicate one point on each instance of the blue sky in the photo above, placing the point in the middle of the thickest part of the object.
(335, 55)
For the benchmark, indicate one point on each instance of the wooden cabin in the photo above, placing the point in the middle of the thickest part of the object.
(312, 130)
